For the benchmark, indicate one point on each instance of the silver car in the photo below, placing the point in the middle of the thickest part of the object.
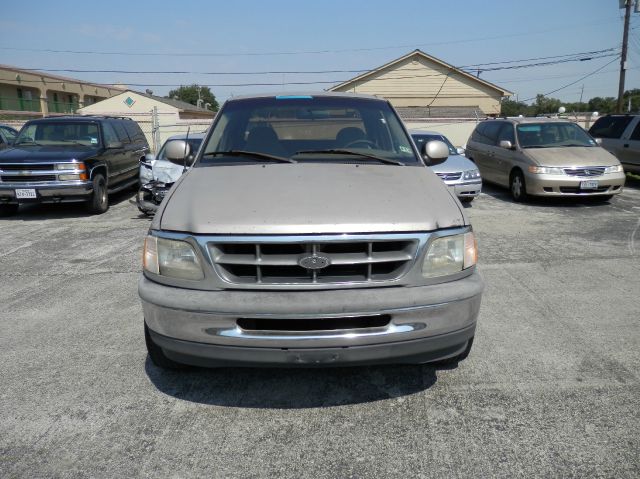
(620, 135)
(458, 172)
(309, 233)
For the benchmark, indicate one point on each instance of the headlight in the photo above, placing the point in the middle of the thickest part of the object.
(471, 174)
(66, 166)
(546, 170)
(81, 167)
(450, 254)
(614, 169)
(171, 258)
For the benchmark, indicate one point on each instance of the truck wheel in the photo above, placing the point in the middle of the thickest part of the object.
(518, 187)
(8, 210)
(157, 355)
(99, 202)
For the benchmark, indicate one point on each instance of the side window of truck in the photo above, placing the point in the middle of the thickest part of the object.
(635, 135)
(121, 132)
(610, 126)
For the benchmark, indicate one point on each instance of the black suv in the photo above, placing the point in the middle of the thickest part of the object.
(72, 158)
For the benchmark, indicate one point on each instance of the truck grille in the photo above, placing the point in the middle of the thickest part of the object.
(585, 171)
(27, 167)
(27, 178)
(450, 176)
(278, 262)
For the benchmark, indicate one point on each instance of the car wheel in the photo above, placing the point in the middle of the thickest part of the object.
(157, 355)
(99, 202)
(517, 186)
(8, 210)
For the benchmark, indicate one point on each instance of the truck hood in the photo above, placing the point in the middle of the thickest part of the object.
(571, 156)
(308, 198)
(34, 153)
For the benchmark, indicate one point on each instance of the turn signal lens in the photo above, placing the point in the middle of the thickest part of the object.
(150, 255)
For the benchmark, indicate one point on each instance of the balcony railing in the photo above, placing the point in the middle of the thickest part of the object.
(19, 104)
(62, 107)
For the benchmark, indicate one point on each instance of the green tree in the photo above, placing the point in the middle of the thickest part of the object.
(514, 108)
(190, 94)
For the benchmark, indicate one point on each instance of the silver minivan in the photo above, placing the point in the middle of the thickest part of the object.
(309, 233)
(544, 157)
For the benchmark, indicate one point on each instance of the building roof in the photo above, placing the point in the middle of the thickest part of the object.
(422, 54)
(179, 104)
(418, 112)
(61, 78)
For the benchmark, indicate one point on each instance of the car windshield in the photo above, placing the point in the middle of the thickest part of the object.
(552, 135)
(194, 143)
(420, 139)
(308, 128)
(60, 133)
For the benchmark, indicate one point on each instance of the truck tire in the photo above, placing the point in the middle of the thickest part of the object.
(99, 202)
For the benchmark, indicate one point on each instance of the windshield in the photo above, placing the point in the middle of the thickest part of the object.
(552, 135)
(194, 143)
(60, 133)
(307, 128)
(420, 139)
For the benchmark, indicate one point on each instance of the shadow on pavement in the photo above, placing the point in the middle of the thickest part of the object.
(503, 194)
(52, 211)
(291, 388)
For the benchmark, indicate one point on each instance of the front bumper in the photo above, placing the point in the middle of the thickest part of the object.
(47, 192)
(426, 323)
(465, 189)
(562, 185)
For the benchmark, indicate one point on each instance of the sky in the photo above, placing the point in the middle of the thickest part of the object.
(244, 36)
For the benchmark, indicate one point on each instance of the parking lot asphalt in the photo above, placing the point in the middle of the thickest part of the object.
(551, 388)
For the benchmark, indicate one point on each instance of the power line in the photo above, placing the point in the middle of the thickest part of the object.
(310, 52)
(576, 81)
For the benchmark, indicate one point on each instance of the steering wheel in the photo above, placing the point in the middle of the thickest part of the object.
(368, 144)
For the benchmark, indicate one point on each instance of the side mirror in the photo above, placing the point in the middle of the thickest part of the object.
(460, 151)
(435, 152)
(599, 141)
(113, 145)
(177, 152)
(148, 158)
(506, 144)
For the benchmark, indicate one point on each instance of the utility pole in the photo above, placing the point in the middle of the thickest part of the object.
(623, 56)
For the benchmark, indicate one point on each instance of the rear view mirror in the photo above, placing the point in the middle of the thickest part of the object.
(178, 152)
(506, 144)
(435, 152)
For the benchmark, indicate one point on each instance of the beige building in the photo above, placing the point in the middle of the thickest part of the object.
(421, 86)
(130, 102)
(29, 93)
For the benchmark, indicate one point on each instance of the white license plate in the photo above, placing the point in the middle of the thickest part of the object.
(26, 193)
(589, 185)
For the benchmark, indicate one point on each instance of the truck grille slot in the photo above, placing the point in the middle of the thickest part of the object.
(27, 178)
(577, 190)
(585, 171)
(450, 176)
(274, 262)
(314, 324)
(27, 167)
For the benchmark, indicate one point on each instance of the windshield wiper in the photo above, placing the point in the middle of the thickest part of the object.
(337, 151)
(250, 154)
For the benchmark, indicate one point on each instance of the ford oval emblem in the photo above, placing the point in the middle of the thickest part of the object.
(314, 261)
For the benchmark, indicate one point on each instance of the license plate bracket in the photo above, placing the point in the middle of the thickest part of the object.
(589, 185)
(26, 193)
